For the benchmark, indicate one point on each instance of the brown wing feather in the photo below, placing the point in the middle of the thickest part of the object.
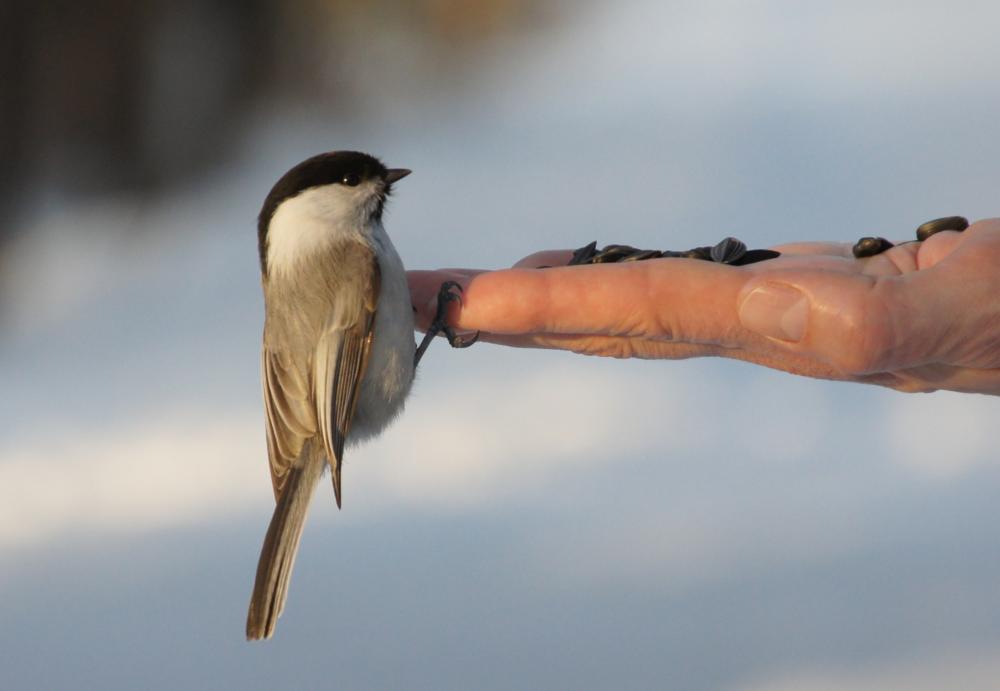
(316, 393)
(345, 371)
(290, 413)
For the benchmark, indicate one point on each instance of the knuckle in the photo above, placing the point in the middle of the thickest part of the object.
(867, 337)
(863, 352)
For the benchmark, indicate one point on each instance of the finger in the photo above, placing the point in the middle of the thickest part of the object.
(921, 379)
(964, 283)
(937, 247)
(850, 321)
(686, 299)
(424, 289)
(630, 347)
(424, 285)
(948, 301)
(605, 346)
(668, 299)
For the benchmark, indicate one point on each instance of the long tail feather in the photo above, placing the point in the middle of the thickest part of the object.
(280, 545)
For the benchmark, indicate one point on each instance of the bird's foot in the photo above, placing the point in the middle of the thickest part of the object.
(450, 291)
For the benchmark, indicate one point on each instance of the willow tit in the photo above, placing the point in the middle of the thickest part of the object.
(339, 354)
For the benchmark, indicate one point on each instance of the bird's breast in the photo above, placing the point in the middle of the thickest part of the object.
(390, 365)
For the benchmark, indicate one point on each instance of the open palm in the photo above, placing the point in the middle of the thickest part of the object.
(921, 316)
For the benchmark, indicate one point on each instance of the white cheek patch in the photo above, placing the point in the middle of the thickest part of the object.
(309, 222)
(294, 233)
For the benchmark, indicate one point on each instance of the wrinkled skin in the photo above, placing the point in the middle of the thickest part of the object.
(918, 317)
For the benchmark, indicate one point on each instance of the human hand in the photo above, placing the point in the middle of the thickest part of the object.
(921, 316)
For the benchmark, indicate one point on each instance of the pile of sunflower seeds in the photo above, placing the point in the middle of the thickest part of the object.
(735, 253)
(870, 246)
(728, 251)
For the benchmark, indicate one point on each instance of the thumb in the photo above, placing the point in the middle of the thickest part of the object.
(856, 323)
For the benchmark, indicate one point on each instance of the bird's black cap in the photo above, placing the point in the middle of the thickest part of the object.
(322, 169)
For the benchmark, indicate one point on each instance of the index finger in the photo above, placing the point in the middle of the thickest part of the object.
(670, 299)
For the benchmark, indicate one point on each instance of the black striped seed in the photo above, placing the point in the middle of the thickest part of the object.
(728, 251)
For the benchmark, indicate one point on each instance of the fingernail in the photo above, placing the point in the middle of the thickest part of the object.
(776, 310)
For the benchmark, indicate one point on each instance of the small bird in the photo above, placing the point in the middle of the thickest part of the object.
(339, 355)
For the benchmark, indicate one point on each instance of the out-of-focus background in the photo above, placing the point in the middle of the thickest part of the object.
(536, 519)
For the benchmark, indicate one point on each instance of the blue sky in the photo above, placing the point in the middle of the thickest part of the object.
(535, 519)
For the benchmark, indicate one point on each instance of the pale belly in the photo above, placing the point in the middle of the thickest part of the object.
(390, 371)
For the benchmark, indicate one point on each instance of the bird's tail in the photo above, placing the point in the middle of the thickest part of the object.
(280, 545)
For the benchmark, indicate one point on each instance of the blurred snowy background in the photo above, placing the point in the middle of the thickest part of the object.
(536, 519)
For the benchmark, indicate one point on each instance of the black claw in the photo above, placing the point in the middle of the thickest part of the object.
(445, 294)
(456, 341)
(925, 230)
(870, 246)
(440, 325)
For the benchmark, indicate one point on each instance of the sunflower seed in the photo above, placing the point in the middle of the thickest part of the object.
(925, 230)
(728, 251)
(870, 246)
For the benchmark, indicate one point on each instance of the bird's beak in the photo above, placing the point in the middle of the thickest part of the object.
(394, 174)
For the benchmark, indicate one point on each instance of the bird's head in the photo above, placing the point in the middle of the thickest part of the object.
(327, 197)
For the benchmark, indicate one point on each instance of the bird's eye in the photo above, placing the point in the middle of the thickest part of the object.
(351, 179)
